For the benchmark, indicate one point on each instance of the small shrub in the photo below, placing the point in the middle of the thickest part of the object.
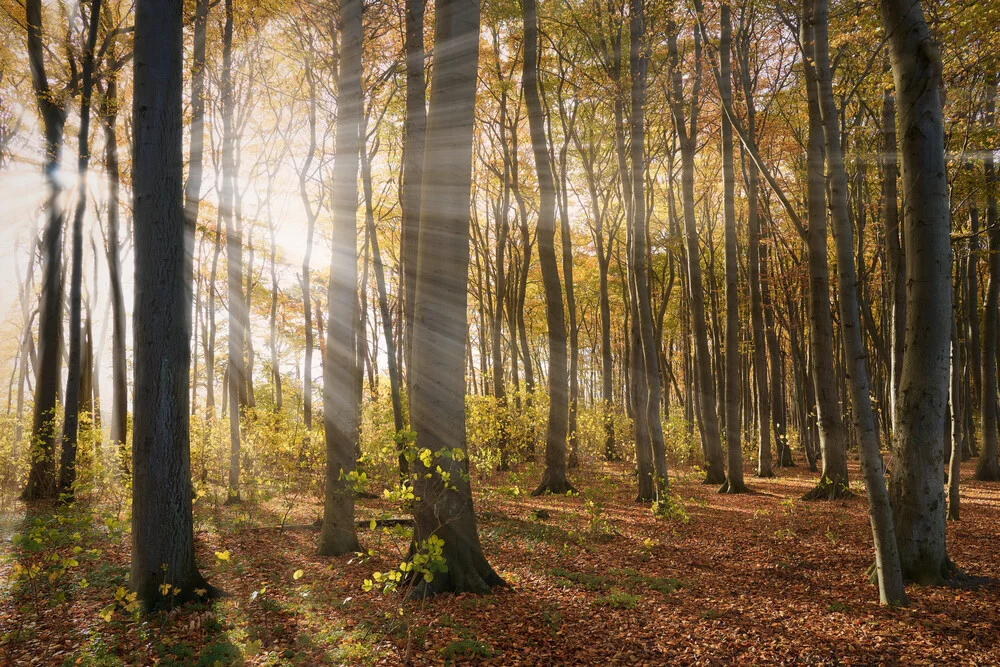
(671, 507)
(618, 599)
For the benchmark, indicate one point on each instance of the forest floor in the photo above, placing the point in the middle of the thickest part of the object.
(759, 578)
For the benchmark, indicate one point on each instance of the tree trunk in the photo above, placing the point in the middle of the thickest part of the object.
(341, 407)
(708, 417)
(764, 460)
(734, 480)
(162, 526)
(833, 482)
(440, 309)
(234, 261)
(916, 491)
(383, 297)
(895, 261)
(957, 422)
(554, 477)
(988, 465)
(640, 255)
(413, 154)
(71, 420)
(41, 478)
(887, 564)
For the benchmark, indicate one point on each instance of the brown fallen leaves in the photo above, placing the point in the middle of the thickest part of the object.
(595, 579)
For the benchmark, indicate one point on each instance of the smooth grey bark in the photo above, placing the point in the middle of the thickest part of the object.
(639, 256)
(71, 420)
(234, 261)
(887, 562)
(833, 434)
(554, 476)
(273, 315)
(916, 492)
(734, 479)
(341, 371)
(957, 412)
(895, 261)
(440, 310)
(383, 297)
(162, 527)
(743, 46)
(603, 246)
(567, 119)
(988, 465)
(972, 313)
(51, 109)
(414, 125)
(312, 213)
(687, 138)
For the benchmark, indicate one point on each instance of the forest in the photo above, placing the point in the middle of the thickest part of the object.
(507, 332)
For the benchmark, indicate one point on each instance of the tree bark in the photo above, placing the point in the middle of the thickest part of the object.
(988, 465)
(554, 477)
(51, 109)
(887, 564)
(234, 261)
(71, 420)
(162, 526)
(341, 406)
(916, 492)
(833, 435)
(734, 480)
(440, 309)
(708, 417)
(413, 154)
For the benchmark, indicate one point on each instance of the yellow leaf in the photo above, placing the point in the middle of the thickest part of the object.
(222, 555)
(297, 574)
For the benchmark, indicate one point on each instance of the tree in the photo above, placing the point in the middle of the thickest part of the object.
(651, 435)
(916, 493)
(887, 564)
(554, 478)
(833, 435)
(734, 480)
(437, 375)
(341, 407)
(988, 465)
(413, 154)
(71, 422)
(686, 127)
(162, 525)
(51, 109)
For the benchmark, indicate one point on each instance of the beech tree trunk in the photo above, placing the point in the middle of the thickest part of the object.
(988, 465)
(554, 477)
(42, 477)
(760, 382)
(705, 387)
(916, 492)
(341, 399)
(234, 261)
(957, 412)
(833, 435)
(413, 154)
(71, 421)
(639, 265)
(162, 526)
(734, 480)
(440, 310)
(887, 564)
